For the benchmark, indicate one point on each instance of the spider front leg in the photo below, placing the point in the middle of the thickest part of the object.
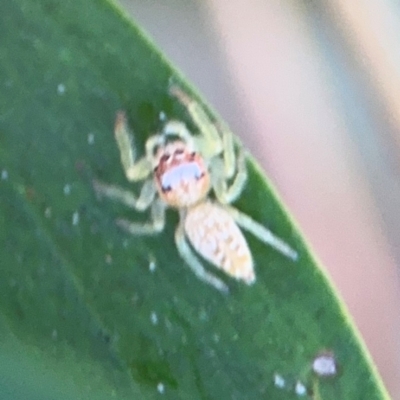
(193, 262)
(225, 169)
(146, 196)
(142, 203)
(262, 233)
(230, 163)
(134, 171)
(228, 194)
(216, 139)
(154, 226)
(210, 142)
(178, 128)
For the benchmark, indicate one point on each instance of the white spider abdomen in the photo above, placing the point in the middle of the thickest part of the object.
(215, 235)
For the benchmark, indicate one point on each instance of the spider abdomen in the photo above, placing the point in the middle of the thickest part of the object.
(214, 234)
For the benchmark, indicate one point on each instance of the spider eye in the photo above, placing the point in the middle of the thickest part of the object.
(166, 188)
(165, 157)
(179, 151)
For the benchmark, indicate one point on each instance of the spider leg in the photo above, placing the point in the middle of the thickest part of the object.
(228, 194)
(262, 233)
(126, 197)
(154, 226)
(134, 170)
(210, 142)
(193, 262)
(230, 162)
(178, 128)
(216, 139)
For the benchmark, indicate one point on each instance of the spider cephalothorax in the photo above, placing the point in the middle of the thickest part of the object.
(181, 175)
(179, 170)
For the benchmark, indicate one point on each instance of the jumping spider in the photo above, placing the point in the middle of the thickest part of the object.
(179, 170)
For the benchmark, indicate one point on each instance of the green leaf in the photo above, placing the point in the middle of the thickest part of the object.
(83, 315)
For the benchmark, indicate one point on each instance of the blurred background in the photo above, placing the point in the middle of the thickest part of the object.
(312, 88)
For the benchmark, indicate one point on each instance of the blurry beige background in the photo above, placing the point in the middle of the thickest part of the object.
(313, 89)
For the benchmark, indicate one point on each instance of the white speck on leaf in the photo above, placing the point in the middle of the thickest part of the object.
(61, 89)
(152, 266)
(90, 138)
(4, 175)
(279, 381)
(161, 388)
(162, 116)
(154, 318)
(54, 334)
(300, 389)
(325, 365)
(47, 212)
(75, 218)
(67, 189)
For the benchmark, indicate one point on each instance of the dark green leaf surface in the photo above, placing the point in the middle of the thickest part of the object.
(82, 314)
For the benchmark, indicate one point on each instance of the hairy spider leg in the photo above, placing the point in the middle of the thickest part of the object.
(193, 262)
(230, 162)
(154, 226)
(152, 143)
(262, 233)
(210, 143)
(141, 203)
(217, 139)
(228, 194)
(134, 170)
(178, 128)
